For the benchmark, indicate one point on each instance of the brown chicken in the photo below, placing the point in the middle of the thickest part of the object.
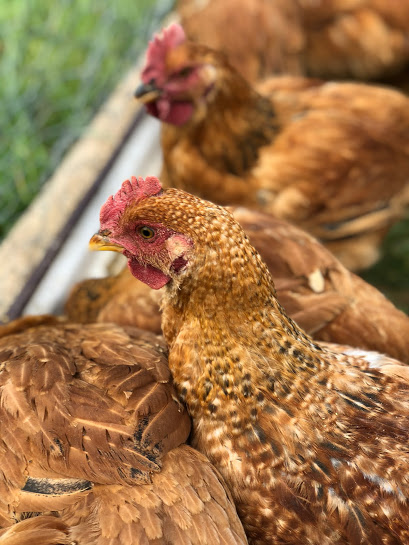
(90, 430)
(330, 157)
(118, 299)
(260, 37)
(362, 39)
(313, 443)
(323, 297)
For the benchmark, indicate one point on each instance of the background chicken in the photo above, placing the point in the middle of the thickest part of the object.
(91, 430)
(313, 443)
(323, 297)
(118, 299)
(332, 158)
(362, 39)
(260, 37)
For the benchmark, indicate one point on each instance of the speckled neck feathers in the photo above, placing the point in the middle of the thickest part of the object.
(226, 277)
(290, 425)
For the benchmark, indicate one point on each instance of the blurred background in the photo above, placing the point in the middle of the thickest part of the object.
(59, 61)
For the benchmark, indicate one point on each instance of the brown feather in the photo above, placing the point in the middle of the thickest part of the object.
(90, 429)
(146, 514)
(68, 404)
(42, 530)
(325, 299)
(109, 300)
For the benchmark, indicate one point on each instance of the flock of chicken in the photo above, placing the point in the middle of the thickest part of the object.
(272, 410)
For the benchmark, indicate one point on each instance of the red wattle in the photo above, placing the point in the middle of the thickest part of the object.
(147, 274)
(176, 113)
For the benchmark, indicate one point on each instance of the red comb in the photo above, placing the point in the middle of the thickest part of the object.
(169, 38)
(133, 190)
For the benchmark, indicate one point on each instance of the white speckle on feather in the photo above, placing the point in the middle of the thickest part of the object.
(217, 432)
(316, 281)
(375, 359)
(384, 484)
(336, 463)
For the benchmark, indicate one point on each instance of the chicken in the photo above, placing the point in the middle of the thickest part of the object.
(91, 430)
(362, 39)
(312, 442)
(118, 299)
(330, 157)
(260, 37)
(324, 298)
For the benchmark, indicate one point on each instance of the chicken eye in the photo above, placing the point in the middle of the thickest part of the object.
(146, 232)
(185, 72)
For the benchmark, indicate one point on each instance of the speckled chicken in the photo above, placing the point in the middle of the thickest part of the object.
(313, 442)
(316, 290)
(362, 39)
(332, 158)
(91, 430)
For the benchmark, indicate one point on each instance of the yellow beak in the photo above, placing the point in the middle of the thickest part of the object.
(146, 93)
(102, 243)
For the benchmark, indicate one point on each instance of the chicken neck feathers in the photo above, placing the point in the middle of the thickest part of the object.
(312, 442)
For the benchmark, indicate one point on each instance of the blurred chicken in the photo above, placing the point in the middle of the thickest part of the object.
(118, 299)
(260, 37)
(313, 443)
(361, 39)
(90, 430)
(332, 158)
(323, 297)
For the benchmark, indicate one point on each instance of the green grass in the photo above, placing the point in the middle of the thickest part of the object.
(58, 63)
